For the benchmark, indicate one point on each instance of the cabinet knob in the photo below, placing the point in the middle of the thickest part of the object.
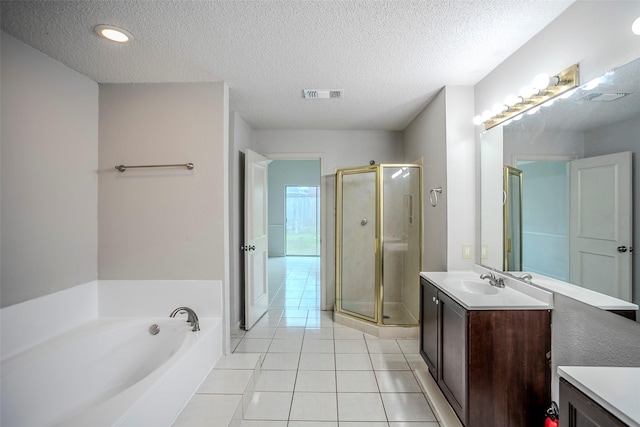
(434, 299)
(437, 302)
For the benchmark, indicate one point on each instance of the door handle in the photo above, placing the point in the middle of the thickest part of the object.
(248, 248)
(622, 249)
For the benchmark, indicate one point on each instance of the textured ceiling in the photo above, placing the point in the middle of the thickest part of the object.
(389, 57)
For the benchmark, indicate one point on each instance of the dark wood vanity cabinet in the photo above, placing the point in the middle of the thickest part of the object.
(491, 365)
(429, 326)
(579, 410)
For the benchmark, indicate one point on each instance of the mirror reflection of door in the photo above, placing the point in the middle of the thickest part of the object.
(601, 224)
(512, 219)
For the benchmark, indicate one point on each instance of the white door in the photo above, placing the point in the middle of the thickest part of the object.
(601, 229)
(256, 288)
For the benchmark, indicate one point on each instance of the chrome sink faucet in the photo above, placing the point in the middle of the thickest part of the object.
(526, 277)
(498, 282)
(192, 317)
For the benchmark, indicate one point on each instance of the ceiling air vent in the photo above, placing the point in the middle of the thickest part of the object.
(322, 94)
(604, 97)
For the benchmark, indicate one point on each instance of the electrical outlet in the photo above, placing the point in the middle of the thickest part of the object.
(466, 251)
(485, 252)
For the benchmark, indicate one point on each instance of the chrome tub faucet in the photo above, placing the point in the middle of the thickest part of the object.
(192, 317)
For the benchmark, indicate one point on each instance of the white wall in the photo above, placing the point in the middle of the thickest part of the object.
(598, 36)
(338, 149)
(443, 137)
(48, 174)
(460, 176)
(162, 223)
(425, 139)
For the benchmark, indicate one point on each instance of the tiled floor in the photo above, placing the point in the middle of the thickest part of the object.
(316, 373)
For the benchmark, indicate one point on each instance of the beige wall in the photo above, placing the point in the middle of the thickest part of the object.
(49, 175)
(425, 138)
(443, 137)
(163, 223)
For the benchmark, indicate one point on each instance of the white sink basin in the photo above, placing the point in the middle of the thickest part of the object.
(471, 286)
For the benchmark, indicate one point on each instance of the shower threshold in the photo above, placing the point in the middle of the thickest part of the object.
(380, 331)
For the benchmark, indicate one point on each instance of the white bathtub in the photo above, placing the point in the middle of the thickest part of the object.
(110, 371)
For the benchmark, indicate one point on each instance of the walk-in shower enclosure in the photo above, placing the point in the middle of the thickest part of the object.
(379, 243)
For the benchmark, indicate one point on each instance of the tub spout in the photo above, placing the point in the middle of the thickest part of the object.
(192, 317)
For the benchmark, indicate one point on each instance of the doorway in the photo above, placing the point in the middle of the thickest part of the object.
(294, 234)
(545, 216)
(302, 220)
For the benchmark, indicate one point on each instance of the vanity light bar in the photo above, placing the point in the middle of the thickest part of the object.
(532, 97)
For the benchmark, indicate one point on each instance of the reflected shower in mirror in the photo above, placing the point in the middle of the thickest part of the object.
(576, 158)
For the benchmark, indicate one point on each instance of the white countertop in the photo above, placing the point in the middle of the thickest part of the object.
(579, 293)
(514, 296)
(615, 389)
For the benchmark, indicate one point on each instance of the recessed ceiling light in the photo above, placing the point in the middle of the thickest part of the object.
(635, 27)
(113, 33)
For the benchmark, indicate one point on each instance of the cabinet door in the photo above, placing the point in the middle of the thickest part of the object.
(452, 377)
(578, 410)
(429, 326)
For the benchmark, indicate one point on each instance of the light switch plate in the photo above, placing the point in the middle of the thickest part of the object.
(485, 252)
(466, 251)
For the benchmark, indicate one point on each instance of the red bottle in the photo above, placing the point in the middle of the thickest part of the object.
(551, 422)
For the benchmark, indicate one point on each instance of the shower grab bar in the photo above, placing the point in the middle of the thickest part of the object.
(123, 168)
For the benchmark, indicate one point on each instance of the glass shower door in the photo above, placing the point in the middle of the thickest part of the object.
(401, 231)
(357, 200)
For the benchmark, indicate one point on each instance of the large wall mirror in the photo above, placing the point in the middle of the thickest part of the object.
(576, 158)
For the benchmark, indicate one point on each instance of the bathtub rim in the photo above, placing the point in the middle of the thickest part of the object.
(115, 408)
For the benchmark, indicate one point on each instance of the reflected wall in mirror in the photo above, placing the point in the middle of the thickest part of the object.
(578, 187)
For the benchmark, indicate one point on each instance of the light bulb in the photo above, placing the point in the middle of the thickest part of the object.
(518, 117)
(635, 27)
(541, 81)
(534, 110)
(113, 33)
(486, 115)
(477, 120)
(544, 80)
(528, 91)
(512, 100)
(549, 103)
(498, 108)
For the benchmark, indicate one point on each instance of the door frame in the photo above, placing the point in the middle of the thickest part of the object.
(323, 215)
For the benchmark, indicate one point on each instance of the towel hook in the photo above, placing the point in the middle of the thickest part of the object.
(433, 196)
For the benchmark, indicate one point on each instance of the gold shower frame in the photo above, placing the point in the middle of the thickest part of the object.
(378, 241)
(507, 172)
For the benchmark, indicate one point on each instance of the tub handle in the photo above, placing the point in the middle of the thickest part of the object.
(154, 329)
